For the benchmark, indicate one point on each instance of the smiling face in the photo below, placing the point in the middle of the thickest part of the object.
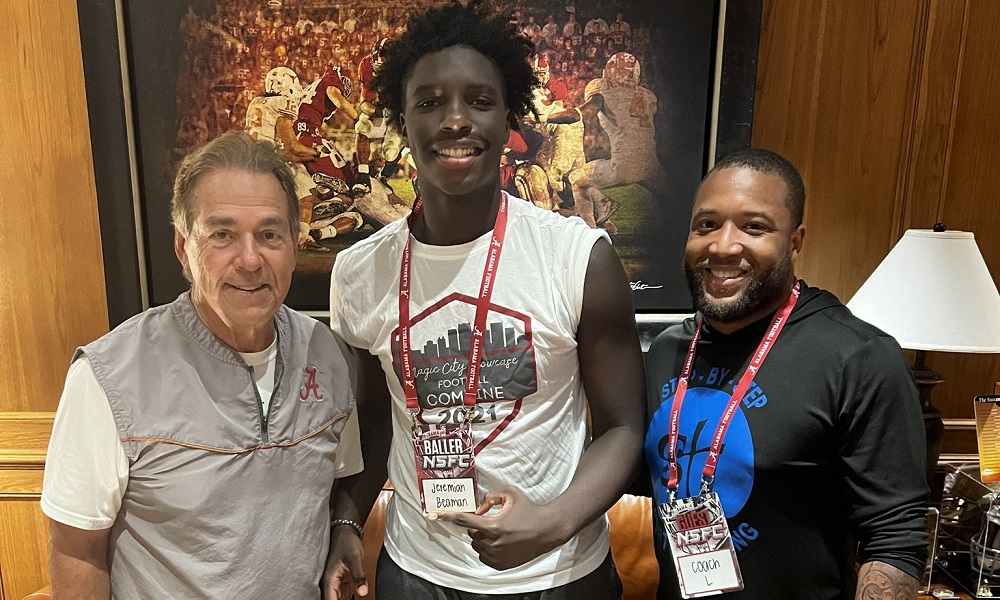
(239, 255)
(738, 258)
(455, 122)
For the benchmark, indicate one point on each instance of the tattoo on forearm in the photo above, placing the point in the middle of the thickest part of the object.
(879, 581)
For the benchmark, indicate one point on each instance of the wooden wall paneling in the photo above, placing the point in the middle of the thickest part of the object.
(937, 96)
(23, 527)
(959, 443)
(965, 377)
(25, 439)
(24, 551)
(52, 294)
(971, 198)
(835, 92)
(889, 110)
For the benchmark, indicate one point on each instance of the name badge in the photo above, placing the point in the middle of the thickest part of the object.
(701, 545)
(446, 467)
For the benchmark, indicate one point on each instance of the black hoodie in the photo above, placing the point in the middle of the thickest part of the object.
(825, 455)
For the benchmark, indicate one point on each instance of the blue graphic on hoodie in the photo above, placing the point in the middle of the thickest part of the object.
(700, 415)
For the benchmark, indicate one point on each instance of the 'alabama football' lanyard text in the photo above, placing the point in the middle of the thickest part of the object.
(482, 308)
(780, 318)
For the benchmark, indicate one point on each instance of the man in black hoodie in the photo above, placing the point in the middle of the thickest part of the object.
(819, 465)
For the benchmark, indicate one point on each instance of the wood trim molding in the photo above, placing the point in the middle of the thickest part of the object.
(25, 440)
(960, 439)
(957, 459)
(23, 527)
(962, 436)
(20, 484)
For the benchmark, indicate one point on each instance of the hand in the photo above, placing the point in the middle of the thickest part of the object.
(519, 532)
(302, 153)
(344, 576)
(364, 125)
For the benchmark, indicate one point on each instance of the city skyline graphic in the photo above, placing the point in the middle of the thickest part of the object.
(459, 339)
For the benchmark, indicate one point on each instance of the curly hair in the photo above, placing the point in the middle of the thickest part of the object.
(475, 26)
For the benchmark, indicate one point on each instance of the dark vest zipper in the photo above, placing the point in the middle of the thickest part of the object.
(261, 415)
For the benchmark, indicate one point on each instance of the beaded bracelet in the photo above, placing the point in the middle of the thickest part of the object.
(353, 524)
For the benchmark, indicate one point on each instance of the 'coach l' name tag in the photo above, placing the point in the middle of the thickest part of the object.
(701, 545)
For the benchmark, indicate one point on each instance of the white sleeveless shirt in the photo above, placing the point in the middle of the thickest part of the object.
(530, 421)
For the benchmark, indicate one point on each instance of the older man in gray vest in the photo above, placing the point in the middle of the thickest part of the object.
(195, 447)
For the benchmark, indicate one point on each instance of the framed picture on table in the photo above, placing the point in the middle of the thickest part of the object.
(165, 77)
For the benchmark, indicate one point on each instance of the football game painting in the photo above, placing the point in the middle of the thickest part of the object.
(619, 135)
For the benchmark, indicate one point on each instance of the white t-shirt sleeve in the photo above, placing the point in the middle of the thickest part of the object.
(349, 460)
(336, 318)
(86, 470)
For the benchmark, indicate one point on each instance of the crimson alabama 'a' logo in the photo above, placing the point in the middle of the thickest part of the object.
(310, 387)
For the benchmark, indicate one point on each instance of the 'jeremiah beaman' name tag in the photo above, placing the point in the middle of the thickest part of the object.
(446, 467)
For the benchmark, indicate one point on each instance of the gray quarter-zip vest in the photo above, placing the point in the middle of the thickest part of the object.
(223, 500)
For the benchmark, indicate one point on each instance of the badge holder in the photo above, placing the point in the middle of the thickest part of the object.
(445, 454)
(446, 466)
(701, 544)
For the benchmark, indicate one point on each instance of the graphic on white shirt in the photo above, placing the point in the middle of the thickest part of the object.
(441, 335)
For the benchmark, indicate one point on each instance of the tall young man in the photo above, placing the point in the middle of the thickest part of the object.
(499, 327)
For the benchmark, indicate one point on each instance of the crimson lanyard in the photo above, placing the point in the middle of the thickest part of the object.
(482, 308)
(777, 324)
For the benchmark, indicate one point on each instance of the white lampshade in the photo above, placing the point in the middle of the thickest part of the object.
(933, 292)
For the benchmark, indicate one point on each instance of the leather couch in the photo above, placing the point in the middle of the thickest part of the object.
(631, 545)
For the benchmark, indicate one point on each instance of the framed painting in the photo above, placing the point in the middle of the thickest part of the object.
(165, 77)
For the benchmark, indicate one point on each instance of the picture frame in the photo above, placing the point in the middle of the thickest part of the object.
(700, 63)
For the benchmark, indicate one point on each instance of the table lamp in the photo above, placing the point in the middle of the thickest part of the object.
(933, 292)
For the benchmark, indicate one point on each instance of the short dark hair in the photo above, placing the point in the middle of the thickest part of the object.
(770, 163)
(475, 26)
(238, 151)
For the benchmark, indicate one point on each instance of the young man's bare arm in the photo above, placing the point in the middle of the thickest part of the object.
(614, 379)
(354, 496)
(78, 563)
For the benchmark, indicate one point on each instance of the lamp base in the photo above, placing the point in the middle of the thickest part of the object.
(927, 379)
